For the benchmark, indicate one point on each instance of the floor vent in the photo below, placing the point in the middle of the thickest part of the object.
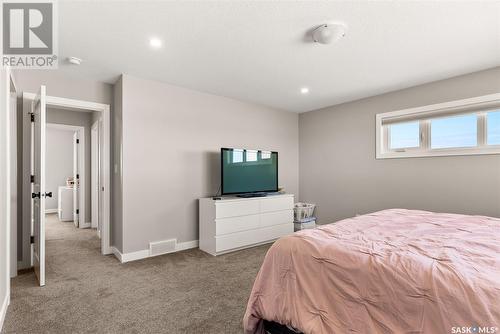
(162, 247)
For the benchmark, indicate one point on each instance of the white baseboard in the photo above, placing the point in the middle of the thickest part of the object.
(117, 254)
(108, 251)
(144, 254)
(51, 211)
(133, 256)
(186, 245)
(3, 310)
(84, 225)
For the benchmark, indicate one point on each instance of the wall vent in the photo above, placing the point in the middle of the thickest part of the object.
(162, 247)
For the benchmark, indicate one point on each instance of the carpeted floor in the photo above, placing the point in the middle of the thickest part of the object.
(186, 292)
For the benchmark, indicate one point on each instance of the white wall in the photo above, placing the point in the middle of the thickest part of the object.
(339, 172)
(171, 142)
(59, 162)
(5, 196)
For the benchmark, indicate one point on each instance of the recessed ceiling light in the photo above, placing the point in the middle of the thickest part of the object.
(304, 90)
(155, 42)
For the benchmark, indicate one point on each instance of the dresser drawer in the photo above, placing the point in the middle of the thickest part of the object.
(237, 208)
(251, 237)
(276, 218)
(276, 204)
(236, 224)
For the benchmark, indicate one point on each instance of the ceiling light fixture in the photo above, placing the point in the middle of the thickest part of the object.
(155, 42)
(304, 90)
(74, 60)
(329, 32)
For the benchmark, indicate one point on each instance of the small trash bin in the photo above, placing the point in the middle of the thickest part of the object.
(302, 211)
(303, 216)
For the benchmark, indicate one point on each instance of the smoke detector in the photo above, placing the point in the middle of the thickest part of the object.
(74, 60)
(329, 32)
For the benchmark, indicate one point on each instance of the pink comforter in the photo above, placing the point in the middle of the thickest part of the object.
(393, 271)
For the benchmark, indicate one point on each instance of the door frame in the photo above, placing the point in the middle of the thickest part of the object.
(14, 166)
(95, 163)
(104, 110)
(82, 203)
(6, 85)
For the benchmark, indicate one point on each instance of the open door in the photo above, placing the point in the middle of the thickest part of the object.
(76, 180)
(38, 194)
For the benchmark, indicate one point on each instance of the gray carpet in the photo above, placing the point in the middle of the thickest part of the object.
(85, 292)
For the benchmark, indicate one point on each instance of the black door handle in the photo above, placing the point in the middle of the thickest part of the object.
(35, 195)
(49, 194)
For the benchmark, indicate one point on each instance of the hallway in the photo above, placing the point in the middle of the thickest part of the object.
(70, 255)
(185, 292)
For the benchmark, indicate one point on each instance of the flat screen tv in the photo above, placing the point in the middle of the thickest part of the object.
(248, 171)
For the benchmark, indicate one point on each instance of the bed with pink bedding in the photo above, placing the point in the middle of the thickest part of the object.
(393, 271)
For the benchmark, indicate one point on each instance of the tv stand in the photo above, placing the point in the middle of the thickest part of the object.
(234, 223)
(251, 195)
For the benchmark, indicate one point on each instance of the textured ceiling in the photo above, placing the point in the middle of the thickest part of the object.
(257, 51)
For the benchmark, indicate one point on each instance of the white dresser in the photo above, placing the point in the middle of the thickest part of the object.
(234, 223)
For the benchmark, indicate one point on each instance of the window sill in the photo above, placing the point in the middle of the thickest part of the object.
(439, 153)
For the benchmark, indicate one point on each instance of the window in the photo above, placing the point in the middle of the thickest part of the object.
(265, 155)
(251, 155)
(404, 135)
(237, 156)
(242, 156)
(457, 131)
(470, 126)
(493, 125)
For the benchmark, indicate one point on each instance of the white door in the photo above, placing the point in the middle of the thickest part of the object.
(94, 171)
(76, 180)
(38, 195)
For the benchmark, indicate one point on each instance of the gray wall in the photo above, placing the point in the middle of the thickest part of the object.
(339, 172)
(57, 85)
(62, 85)
(117, 199)
(58, 163)
(171, 142)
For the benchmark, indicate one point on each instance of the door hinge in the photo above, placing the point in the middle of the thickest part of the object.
(77, 211)
(32, 117)
(32, 239)
(77, 176)
(32, 178)
(78, 141)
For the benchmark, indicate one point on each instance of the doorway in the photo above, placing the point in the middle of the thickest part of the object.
(67, 182)
(65, 172)
(40, 194)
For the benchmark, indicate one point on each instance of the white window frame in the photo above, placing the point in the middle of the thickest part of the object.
(480, 105)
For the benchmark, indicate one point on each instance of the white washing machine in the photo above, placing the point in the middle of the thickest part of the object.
(65, 204)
